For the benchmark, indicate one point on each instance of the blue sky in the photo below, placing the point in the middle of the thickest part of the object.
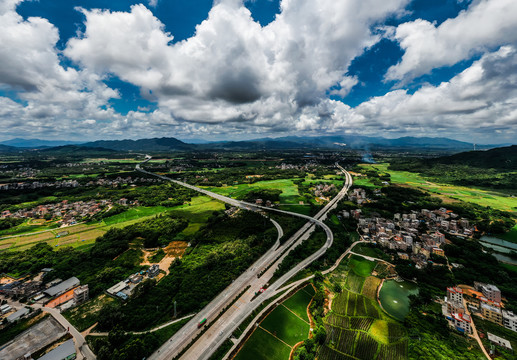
(231, 69)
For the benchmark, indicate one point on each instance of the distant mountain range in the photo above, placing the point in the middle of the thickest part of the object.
(36, 143)
(156, 144)
(356, 142)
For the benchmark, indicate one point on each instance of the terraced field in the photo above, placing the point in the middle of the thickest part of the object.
(356, 326)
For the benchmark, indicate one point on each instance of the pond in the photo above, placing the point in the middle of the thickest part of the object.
(499, 242)
(394, 297)
(501, 246)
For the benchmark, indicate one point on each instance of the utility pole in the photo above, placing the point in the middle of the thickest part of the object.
(175, 314)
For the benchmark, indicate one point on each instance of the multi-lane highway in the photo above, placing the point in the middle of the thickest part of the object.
(228, 321)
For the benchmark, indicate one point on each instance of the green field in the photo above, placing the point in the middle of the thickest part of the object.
(356, 326)
(289, 190)
(84, 235)
(360, 266)
(196, 212)
(263, 346)
(284, 327)
(477, 196)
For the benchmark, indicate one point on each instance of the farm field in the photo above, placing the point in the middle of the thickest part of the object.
(357, 328)
(284, 327)
(84, 235)
(481, 197)
(289, 194)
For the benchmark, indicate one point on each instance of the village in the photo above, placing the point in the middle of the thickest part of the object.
(59, 184)
(67, 213)
(415, 236)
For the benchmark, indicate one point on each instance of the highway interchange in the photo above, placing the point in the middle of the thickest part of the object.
(222, 318)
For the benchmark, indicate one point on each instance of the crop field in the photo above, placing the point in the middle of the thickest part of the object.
(262, 346)
(477, 196)
(354, 282)
(83, 235)
(298, 303)
(370, 286)
(356, 327)
(284, 327)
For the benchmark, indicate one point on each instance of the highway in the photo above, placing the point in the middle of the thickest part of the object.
(229, 320)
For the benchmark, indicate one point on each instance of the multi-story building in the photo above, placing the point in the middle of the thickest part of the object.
(510, 320)
(492, 313)
(81, 294)
(462, 322)
(491, 292)
(455, 294)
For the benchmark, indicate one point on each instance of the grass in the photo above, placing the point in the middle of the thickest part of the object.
(263, 346)
(298, 303)
(85, 315)
(360, 266)
(509, 267)
(135, 213)
(82, 236)
(510, 236)
(286, 326)
(197, 213)
(477, 196)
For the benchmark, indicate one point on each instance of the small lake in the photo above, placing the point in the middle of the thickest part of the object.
(496, 241)
(394, 297)
(501, 246)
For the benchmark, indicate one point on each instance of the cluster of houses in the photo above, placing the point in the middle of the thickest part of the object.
(307, 166)
(68, 212)
(483, 300)
(124, 289)
(58, 184)
(321, 190)
(415, 236)
(19, 171)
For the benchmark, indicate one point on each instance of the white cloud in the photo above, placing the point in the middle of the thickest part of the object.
(484, 25)
(478, 101)
(233, 68)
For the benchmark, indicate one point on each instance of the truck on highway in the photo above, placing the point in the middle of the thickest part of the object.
(201, 323)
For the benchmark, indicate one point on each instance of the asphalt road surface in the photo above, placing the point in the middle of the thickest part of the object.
(221, 328)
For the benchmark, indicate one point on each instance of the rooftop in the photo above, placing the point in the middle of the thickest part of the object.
(63, 351)
(62, 287)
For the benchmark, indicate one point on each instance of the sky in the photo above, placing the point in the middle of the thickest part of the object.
(237, 69)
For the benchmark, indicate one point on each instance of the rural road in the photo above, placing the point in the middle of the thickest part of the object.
(83, 351)
(206, 343)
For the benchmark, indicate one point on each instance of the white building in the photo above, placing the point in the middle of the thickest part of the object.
(510, 320)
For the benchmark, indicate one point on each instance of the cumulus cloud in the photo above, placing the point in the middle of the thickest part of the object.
(232, 68)
(480, 100)
(239, 78)
(484, 25)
